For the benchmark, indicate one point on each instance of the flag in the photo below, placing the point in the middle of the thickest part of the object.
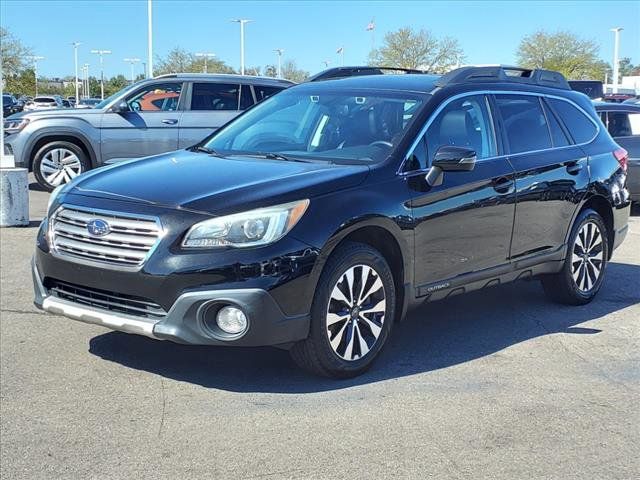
(371, 25)
(340, 50)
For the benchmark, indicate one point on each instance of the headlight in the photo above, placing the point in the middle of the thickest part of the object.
(14, 126)
(54, 193)
(248, 229)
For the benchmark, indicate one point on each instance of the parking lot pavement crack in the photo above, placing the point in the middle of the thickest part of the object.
(164, 406)
(22, 312)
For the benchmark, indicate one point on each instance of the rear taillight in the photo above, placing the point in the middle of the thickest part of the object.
(622, 156)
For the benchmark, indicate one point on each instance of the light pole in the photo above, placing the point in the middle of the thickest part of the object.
(149, 40)
(206, 55)
(132, 62)
(279, 52)
(616, 62)
(35, 59)
(242, 22)
(85, 69)
(101, 53)
(326, 63)
(340, 51)
(75, 60)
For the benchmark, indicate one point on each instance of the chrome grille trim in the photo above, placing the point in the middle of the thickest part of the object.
(130, 241)
(108, 301)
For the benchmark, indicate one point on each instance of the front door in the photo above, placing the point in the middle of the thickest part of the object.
(465, 224)
(151, 125)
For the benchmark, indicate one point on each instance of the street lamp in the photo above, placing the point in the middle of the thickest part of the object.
(101, 53)
(207, 56)
(35, 59)
(279, 52)
(616, 62)
(85, 80)
(132, 62)
(75, 46)
(242, 22)
(149, 41)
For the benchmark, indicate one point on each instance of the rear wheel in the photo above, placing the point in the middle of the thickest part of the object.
(351, 315)
(57, 163)
(583, 271)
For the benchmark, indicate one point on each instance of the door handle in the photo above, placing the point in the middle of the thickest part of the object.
(170, 121)
(573, 168)
(503, 185)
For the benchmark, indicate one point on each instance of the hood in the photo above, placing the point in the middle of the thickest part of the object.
(204, 183)
(57, 112)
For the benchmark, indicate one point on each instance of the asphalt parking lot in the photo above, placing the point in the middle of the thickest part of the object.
(500, 384)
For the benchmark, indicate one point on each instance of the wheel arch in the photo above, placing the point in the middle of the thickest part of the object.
(604, 208)
(71, 136)
(386, 237)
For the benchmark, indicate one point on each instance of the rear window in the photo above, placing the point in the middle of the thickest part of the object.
(558, 137)
(524, 123)
(44, 100)
(581, 128)
(220, 96)
(623, 124)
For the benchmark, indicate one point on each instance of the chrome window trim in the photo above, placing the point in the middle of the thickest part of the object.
(442, 106)
(98, 211)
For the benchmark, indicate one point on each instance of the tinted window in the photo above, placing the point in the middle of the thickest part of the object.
(558, 136)
(156, 98)
(581, 128)
(263, 92)
(524, 123)
(623, 124)
(44, 100)
(464, 123)
(216, 96)
(246, 99)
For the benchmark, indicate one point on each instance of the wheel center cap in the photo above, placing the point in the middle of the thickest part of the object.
(355, 312)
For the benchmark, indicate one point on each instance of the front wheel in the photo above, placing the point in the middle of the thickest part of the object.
(351, 315)
(57, 163)
(583, 270)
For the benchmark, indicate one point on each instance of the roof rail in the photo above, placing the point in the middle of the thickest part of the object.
(503, 73)
(343, 72)
(223, 75)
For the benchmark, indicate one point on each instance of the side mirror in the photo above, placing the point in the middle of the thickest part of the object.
(120, 107)
(450, 158)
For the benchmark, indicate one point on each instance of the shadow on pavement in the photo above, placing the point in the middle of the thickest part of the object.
(435, 336)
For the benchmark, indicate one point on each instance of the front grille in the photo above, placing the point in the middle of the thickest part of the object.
(105, 300)
(128, 243)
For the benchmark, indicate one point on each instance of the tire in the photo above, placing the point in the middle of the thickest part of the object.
(335, 315)
(583, 270)
(58, 162)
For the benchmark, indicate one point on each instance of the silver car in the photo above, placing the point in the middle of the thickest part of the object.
(152, 116)
(43, 103)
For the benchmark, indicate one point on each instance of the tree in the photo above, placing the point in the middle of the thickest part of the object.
(407, 48)
(270, 71)
(14, 54)
(24, 83)
(576, 58)
(179, 60)
(115, 84)
(290, 71)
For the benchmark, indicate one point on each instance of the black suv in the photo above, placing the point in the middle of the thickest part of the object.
(315, 219)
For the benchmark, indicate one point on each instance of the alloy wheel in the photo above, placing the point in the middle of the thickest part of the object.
(587, 259)
(356, 312)
(59, 166)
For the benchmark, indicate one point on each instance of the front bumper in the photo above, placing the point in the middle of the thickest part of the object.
(185, 321)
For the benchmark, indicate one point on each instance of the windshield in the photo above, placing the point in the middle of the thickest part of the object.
(318, 125)
(109, 99)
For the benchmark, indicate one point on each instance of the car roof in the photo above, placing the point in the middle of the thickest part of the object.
(416, 82)
(252, 79)
(602, 106)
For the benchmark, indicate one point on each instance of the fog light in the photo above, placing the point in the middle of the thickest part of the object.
(231, 320)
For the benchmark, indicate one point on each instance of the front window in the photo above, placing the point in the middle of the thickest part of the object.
(318, 125)
(161, 97)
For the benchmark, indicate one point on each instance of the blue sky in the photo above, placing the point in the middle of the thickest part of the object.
(308, 31)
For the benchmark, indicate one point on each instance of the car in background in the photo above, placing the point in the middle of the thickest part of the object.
(88, 102)
(623, 123)
(594, 89)
(9, 105)
(153, 116)
(43, 103)
(66, 103)
(617, 97)
(633, 101)
(72, 100)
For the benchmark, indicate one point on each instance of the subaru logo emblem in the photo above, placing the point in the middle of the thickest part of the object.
(98, 227)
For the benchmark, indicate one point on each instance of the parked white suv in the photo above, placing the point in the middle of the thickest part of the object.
(43, 103)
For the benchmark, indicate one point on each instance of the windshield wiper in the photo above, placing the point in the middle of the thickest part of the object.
(277, 156)
(207, 150)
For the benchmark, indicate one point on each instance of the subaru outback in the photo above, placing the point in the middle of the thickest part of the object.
(317, 218)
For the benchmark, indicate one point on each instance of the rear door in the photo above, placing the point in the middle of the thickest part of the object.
(624, 127)
(551, 172)
(465, 224)
(211, 105)
(150, 126)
